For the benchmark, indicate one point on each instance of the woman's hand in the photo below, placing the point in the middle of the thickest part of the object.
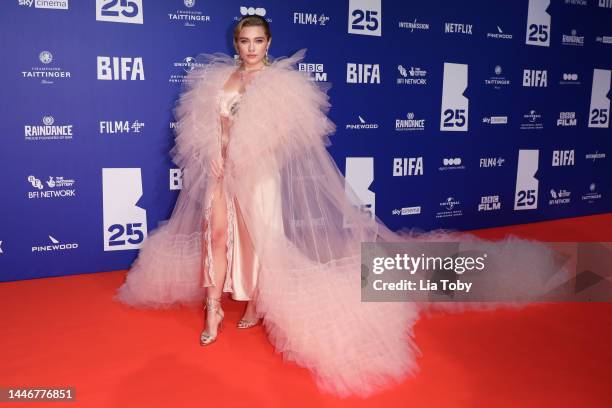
(216, 167)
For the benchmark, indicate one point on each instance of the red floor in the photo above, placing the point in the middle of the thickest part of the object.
(67, 332)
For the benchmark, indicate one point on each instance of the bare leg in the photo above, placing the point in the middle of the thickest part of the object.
(218, 226)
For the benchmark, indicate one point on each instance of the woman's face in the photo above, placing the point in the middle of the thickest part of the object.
(252, 45)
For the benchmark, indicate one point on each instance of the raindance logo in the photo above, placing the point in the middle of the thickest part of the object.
(55, 187)
(413, 25)
(499, 35)
(410, 123)
(559, 197)
(592, 195)
(316, 72)
(572, 39)
(361, 125)
(569, 79)
(47, 72)
(55, 245)
(188, 16)
(497, 81)
(567, 119)
(413, 76)
(185, 66)
(310, 18)
(450, 208)
(48, 131)
(407, 211)
(120, 126)
(489, 203)
(532, 121)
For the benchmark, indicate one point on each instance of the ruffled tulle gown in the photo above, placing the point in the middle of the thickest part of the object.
(300, 229)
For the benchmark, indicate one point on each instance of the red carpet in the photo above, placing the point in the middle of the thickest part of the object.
(67, 332)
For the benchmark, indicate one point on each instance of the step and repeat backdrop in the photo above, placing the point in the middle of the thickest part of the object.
(449, 114)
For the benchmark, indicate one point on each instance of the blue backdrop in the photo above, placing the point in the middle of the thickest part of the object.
(450, 114)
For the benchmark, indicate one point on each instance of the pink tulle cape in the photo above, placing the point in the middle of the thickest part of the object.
(309, 289)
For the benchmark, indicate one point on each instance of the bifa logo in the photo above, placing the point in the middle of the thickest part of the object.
(408, 166)
(535, 78)
(455, 109)
(538, 23)
(563, 158)
(125, 223)
(359, 175)
(120, 68)
(526, 192)
(124, 11)
(599, 112)
(362, 73)
(365, 17)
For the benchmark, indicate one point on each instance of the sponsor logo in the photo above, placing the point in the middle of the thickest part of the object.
(188, 16)
(48, 130)
(535, 78)
(592, 194)
(119, 126)
(489, 162)
(451, 163)
(361, 125)
(403, 211)
(413, 25)
(569, 79)
(497, 81)
(54, 187)
(310, 18)
(412, 76)
(567, 119)
(362, 73)
(572, 39)
(458, 28)
(316, 72)
(45, 4)
(532, 121)
(407, 166)
(449, 208)
(489, 203)
(48, 72)
(495, 120)
(595, 156)
(410, 123)
(499, 35)
(120, 69)
(563, 158)
(54, 245)
(559, 197)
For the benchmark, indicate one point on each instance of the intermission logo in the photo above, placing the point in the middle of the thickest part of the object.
(458, 28)
(410, 123)
(532, 121)
(407, 166)
(563, 158)
(310, 18)
(365, 17)
(48, 72)
(363, 124)
(495, 120)
(45, 4)
(593, 195)
(599, 112)
(490, 162)
(185, 66)
(559, 196)
(538, 23)
(362, 73)
(412, 76)
(497, 81)
(454, 112)
(535, 78)
(405, 211)
(413, 25)
(449, 208)
(316, 72)
(54, 245)
(48, 130)
(572, 39)
(567, 119)
(120, 126)
(499, 35)
(527, 184)
(54, 187)
(188, 16)
(451, 163)
(489, 203)
(120, 69)
(569, 79)
(124, 11)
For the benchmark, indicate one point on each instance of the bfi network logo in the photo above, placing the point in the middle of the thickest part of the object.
(120, 68)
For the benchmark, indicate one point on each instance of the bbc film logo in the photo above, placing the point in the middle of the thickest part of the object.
(486, 271)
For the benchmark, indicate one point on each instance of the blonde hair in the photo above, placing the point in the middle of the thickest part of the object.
(252, 21)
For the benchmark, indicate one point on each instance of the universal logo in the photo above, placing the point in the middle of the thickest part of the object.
(450, 208)
(185, 66)
(189, 17)
(47, 72)
(412, 76)
(532, 121)
(310, 18)
(410, 123)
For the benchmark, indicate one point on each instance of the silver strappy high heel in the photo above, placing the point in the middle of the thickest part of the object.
(247, 324)
(213, 306)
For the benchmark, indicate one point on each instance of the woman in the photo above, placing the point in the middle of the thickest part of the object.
(265, 215)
